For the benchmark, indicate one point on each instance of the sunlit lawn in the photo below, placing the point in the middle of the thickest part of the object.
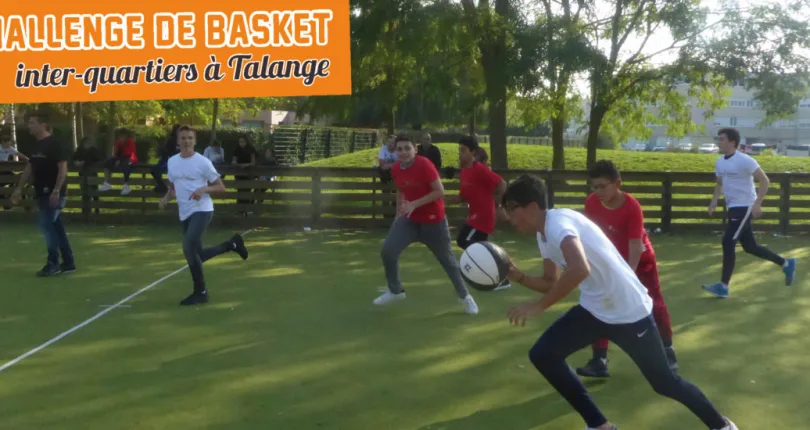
(292, 341)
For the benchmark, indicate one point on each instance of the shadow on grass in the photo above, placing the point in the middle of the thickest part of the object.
(292, 341)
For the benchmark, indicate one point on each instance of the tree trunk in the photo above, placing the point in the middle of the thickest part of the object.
(594, 123)
(112, 124)
(73, 120)
(13, 125)
(497, 126)
(80, 119)
(214, 118)
(472, 124)
(392, 124)
(558, 142)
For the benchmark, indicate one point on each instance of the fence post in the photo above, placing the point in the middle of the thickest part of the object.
(666, 204)
(351, 142)
(550, 187)
(85, 188)
(327, 143)
(302, 146)
(316, 197)
(784, 204)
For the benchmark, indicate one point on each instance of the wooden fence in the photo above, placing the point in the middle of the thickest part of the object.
(355, 198)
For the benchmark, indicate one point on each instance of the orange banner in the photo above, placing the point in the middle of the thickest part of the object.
(57, 51)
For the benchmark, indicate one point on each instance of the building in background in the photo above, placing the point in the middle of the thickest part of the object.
(743, 113)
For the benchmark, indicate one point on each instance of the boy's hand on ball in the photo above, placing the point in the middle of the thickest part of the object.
(514, 273)
(518, 314)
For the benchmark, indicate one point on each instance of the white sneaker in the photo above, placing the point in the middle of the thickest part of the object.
(730, 425)
(470, 306)
(389, 297)
(126, 190)
(105, 187)
(503, 286)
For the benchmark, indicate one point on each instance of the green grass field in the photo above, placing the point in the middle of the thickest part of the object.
(291, 340)
(539, 157)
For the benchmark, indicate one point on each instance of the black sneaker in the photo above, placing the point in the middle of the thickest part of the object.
(673, 361)
(195, 299)
(239, 246)
(596, 368)
(49, 270)
(68, 268)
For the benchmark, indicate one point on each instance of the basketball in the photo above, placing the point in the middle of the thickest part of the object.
(484, 265)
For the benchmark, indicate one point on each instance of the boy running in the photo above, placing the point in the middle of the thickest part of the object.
(480, 187)
(420, 218)
(735, 179)
(613, 304)
(621, 218)
(193, 177)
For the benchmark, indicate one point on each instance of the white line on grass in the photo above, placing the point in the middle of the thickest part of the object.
(95, 317)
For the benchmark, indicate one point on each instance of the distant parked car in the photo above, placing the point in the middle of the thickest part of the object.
(709, 148)
(637, 147)
(685, 146)
(659, 147)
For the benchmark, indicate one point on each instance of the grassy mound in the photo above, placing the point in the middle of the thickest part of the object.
(539, 157)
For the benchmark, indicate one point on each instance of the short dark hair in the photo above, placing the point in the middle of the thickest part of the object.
(41, 116)
(525, 190)
(470, 142)
(604, 169)
(188, 128)
(731, 134)
(5, 135)
(402, 137)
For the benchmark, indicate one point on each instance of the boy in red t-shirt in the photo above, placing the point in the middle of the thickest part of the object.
(481, 188)
(620, 216)
(124, 157)
(420, 218)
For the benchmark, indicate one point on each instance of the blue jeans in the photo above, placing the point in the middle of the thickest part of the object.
(50, 223)
(193, 230)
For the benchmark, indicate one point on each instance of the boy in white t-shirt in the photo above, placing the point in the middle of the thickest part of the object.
(193, 177)
(735, 179)
(613, 304)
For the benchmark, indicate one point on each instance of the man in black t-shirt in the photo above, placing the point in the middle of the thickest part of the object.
(430, 151)
(48, 166)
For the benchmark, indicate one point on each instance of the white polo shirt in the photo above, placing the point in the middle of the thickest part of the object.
(612, 291)
(737, 173)
(188, 175)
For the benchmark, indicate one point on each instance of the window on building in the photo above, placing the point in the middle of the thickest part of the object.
(733, 121)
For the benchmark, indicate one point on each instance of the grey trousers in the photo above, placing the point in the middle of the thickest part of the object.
(435, 236)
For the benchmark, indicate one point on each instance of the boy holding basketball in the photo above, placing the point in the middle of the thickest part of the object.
(420, 218)
(613, 304)
(621, 218)
(480, 187)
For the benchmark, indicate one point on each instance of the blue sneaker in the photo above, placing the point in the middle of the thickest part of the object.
(790, 271)
(717, 290)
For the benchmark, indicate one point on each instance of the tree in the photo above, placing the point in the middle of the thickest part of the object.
(705, 62)
(494, 27)
(553, 51)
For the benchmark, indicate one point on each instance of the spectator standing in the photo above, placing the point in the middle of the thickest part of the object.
(169, 149)
(430, 151)
(244, 157)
